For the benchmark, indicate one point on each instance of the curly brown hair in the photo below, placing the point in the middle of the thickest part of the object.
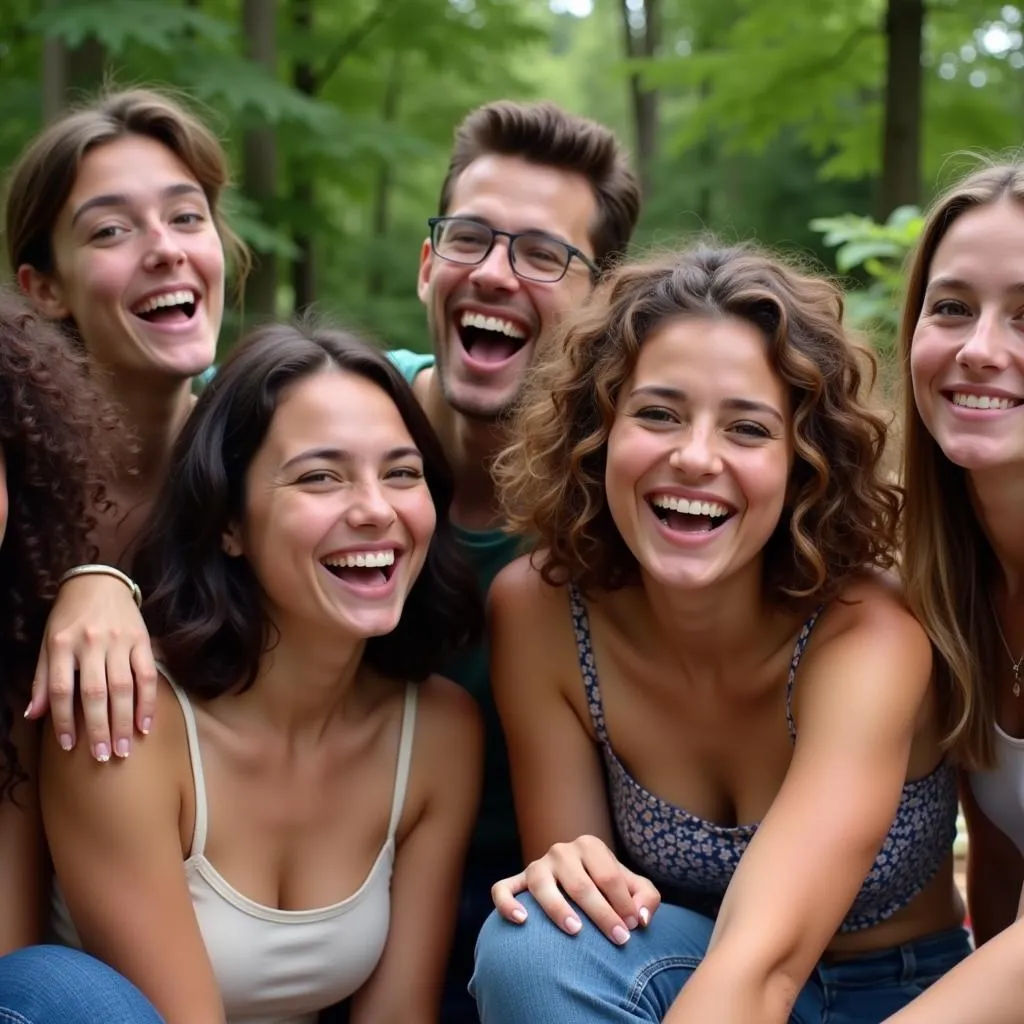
(53, 427)
(842, 510)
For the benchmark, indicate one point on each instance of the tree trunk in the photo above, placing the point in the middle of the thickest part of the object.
(303, 269)
(70, 74)
(381, 216)
(642, 41)
(900, 183)
(259, 159)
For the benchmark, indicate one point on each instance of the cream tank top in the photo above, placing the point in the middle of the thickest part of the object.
(1000, 792)
(282, 966)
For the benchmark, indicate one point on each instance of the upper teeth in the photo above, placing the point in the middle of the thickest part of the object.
(362, 559)
(167, 299)
(983, 401)
(690, 508)
(492, 323)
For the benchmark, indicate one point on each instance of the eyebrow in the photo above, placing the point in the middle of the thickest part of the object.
(956, 284)
(739, 404)
(341, 455)
(121, 199)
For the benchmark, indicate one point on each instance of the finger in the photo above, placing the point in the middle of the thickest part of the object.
(646, 897)
(39, 700)
(92, 681)
(545, 890)
(121, 693)
(59, 684)
(582, 890)
(612, 881)
(144, 669)
(503, 894)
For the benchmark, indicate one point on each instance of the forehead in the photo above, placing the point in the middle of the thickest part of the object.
(515, 195)
(983, 246)
(721, 356)
(132, 165)
(335, 409)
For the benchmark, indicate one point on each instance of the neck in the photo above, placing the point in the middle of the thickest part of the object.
(153, 410)
(303, 683)
(715, 633)
(470, 446)
(998, 499)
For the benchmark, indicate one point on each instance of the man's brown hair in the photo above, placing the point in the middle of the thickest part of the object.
(544, 134)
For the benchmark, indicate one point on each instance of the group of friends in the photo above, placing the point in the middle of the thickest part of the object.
(622, 660)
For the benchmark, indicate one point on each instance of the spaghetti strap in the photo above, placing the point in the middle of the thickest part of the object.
(588, 667)
(404, 756)
(798, 650)
(198, 844)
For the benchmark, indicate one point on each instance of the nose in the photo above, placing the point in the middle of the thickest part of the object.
(986, 346)
(495, 273)
(696, 454)
(163, 249)
(369, 508)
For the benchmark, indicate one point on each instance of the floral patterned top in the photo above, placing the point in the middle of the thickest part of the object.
(693, 860)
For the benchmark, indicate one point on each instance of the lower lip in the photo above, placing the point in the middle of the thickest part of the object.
(966, 412)
(688, 540)
(176, 327)
(368, 591)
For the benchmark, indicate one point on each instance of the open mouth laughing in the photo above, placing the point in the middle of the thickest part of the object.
(990, 403)
(362, 569)
(168, 308)
(488, 340)
(682, 515)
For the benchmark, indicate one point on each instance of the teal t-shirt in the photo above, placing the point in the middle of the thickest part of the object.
(489, 551)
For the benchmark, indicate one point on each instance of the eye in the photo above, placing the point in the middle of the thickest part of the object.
(189, 219)
(949, 307)
(750, 429)
(318, 476)
(656, 414)
(404, 473)
(106, 233)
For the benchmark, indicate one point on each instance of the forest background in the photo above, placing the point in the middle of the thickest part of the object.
(818, 127)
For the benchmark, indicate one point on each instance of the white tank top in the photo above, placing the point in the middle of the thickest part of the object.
(1000, 792)
(282, 966)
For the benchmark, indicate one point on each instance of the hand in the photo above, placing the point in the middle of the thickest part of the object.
(96, 629)
(616, 899)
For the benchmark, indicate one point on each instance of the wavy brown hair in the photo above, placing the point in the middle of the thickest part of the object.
(842, 511)
(53, 427)
(947, 563)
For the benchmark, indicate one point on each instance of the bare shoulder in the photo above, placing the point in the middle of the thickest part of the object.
(446, 713)
(520, 595)
(874, 606)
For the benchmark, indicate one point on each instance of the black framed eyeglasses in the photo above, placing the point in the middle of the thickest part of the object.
(533, 255)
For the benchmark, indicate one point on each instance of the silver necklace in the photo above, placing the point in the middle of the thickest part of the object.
(1016, 663)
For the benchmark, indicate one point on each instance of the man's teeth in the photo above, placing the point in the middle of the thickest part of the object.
(167, 299)
(691, 508)
(983, 401)
(492, 323)
(362, 560)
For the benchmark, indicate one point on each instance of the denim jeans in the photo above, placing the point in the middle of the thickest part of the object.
(57, 985)
(534, 973)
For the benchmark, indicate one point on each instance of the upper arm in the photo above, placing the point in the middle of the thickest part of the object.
(448, 757)
(862, 693)
(557, 777)
(22, 852)
(995, 871)
(114, 836)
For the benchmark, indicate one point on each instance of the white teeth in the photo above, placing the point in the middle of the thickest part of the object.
(691, 508)
(492, 323)
(983, 401)
(362, 560)
(179, 298)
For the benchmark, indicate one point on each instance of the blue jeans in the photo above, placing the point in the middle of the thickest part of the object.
(534, 973)
(57, 985)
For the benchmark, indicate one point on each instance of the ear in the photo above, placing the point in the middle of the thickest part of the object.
(44, 292)
(426, 264)
(231, 541)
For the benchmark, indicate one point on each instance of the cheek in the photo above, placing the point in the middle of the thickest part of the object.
(420, 517)
(208, 256)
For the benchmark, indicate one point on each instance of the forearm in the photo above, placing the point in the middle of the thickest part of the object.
(987, 988)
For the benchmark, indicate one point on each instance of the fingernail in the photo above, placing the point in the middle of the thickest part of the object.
(573, 924)
(630, 922)
(147, 724)
(619, 935)
(28, 710)
(101, 752)
(645, 916)
(66, 740)
(519, 915)
(123, 748)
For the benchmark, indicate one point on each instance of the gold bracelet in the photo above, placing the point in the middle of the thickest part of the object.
(105, 570)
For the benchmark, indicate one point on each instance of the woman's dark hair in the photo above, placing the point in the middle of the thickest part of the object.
(205, 608)
(53, 431)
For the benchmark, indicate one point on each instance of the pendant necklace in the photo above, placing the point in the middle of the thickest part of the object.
(1016, 663)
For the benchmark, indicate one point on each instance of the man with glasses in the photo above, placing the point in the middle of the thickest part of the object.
(535, 205)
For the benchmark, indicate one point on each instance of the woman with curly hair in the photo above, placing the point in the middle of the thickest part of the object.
(725, 747)
(53, 427)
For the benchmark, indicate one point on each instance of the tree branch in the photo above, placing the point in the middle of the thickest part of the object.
(348, 45)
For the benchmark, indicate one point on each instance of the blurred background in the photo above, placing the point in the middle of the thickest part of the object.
(816, 126)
